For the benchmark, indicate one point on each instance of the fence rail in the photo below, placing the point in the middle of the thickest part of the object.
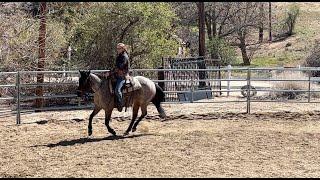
(248, 79)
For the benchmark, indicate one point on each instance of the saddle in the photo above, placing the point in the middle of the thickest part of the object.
(131, 84)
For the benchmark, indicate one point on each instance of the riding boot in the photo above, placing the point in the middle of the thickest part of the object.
(119, 104)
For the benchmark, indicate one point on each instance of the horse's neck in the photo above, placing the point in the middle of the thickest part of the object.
(95, 82)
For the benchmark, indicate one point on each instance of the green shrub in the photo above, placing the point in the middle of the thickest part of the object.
(225, 51)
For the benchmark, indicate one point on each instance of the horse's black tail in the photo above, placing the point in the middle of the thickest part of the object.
(158, 98)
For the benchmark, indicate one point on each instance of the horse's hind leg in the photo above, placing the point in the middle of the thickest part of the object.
(95, 111)
(107, 121)
(135, 110)
(143, 114)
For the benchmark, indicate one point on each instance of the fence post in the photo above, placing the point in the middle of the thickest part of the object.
(248, 89)
(161, 77)
(134, 72)
(229, 77)
(309, 86)
(192, 89)
(18, 97)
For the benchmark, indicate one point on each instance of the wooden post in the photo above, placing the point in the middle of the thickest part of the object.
(42, 55)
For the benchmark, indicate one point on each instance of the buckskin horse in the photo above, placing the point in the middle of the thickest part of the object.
(143, 91)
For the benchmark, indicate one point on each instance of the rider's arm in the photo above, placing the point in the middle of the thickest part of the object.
(125, 62)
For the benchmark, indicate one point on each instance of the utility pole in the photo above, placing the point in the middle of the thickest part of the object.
(270, 36)
(202, 47)
(42, 54)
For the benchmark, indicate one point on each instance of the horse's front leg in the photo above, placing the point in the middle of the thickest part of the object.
(95, 111)
(107, 121)
(135, 110)
(143, 114)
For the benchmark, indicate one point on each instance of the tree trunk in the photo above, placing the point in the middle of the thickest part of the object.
(215, 53)
(42, 55)
(242, 46)
(208, 21)
(270, 35)
(201, 29)
(211, 31)
(261, 23)
(202, 51)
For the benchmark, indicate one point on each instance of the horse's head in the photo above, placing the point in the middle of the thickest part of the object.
(84, 83)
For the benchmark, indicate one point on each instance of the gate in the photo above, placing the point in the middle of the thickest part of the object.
(206, 80)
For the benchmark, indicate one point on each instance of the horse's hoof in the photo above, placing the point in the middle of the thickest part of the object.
(89, 132)
(113, 133)
(162, 116)
(125, 134)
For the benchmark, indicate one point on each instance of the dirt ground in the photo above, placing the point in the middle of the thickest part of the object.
(196, 140)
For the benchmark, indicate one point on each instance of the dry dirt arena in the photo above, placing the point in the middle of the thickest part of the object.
(196, 140)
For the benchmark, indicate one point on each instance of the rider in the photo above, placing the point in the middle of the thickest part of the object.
(121, 70)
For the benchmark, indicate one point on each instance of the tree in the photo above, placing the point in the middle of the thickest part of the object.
(202, 48)
(220, 27)
(217, 15)
(261, 20)
(145, 27)
(245, 21)
(42, 55)
(20, 47)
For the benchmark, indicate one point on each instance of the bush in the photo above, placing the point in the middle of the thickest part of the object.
(19, 50)
(292, 16)
(287, 25)
(313, 60)
(225, 51)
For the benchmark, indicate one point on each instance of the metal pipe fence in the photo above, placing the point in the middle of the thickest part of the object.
(20, 96)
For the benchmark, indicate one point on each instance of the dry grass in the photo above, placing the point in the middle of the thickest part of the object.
(306, 30)
(295, 86)
(197, 140)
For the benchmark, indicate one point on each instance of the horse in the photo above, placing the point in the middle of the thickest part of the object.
(105, 99)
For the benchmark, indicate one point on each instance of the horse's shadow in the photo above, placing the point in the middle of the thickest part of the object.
(88, 140)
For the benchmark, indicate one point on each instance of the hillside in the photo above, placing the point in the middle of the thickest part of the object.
(306, 34)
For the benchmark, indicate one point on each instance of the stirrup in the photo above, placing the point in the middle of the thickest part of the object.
(119, 105)
(120, 108)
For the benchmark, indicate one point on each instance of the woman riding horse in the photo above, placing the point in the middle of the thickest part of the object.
(121, 70)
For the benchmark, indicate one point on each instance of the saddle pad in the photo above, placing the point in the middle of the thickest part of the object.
(135, 86)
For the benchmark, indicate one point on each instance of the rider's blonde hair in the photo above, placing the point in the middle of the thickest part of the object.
(123, 46)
